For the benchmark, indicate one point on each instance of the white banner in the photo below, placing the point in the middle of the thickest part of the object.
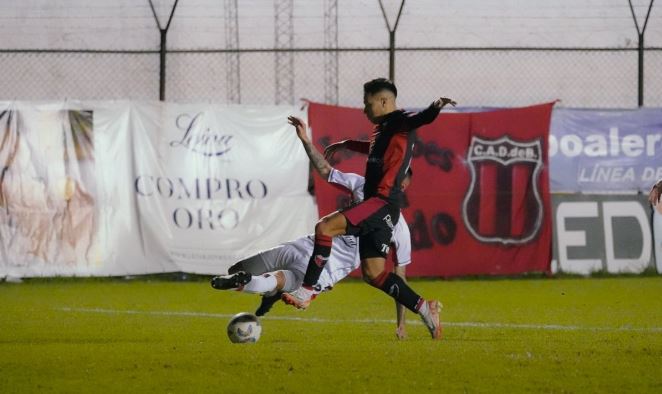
(115, 188)
(602, 233)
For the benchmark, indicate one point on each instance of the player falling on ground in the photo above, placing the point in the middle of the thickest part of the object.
(389, 155)
(282, 268)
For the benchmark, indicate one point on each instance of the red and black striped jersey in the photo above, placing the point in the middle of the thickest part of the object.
(390, 153)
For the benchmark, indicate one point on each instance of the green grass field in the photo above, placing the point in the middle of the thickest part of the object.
(522, 335)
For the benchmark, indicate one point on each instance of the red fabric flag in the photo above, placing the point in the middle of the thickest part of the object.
(479, 199)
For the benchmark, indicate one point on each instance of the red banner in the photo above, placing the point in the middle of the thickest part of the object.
(479, 198)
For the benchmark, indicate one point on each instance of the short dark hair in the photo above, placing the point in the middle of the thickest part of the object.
(379, 84)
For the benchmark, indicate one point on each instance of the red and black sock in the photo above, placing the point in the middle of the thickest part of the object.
(321, 252)
(397, 288)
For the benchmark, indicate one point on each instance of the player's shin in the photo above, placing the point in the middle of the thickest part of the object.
(397, 288)
(321, 252)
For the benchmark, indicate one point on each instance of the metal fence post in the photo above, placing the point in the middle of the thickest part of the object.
(640, 34)
(162, 51)
(391, 34)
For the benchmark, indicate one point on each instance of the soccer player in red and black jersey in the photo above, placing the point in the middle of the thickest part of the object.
(389, 153)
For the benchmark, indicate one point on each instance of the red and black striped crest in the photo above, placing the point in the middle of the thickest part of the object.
(503, 202)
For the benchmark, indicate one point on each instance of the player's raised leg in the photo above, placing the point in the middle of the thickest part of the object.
(327, 227)
(286, 281)
(234, 281)
(255, 274)
(266, 283)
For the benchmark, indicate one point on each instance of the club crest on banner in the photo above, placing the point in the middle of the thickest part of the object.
(503, 202)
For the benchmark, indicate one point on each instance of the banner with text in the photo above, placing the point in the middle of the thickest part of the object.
(593, 150)
(479, 198)
(114, 188)
(602, 233)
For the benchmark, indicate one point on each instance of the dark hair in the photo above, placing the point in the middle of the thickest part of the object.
(409, 172)
(379, 84)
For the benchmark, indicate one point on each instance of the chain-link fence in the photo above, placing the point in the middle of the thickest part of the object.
(592, 78)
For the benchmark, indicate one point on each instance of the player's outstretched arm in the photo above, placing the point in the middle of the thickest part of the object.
(441, 102)
(655, 193)
(429, 114)
(319, 163)
(353, 145)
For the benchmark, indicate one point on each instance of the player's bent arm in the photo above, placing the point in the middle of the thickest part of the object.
(353, 182)
(402, 241)
(352, 145)
(360, 146)
(320, 164)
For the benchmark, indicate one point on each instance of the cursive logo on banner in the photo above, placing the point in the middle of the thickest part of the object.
(199, 137)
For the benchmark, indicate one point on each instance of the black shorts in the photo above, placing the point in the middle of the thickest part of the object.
(372, 221)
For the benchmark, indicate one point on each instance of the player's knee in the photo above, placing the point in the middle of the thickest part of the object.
(331, 225)
(291, 281)
(375, 279)
(370, 274)
(281, 280)
(323, 227)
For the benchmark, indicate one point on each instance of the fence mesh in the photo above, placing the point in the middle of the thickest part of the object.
(75, 75)
(604, 78)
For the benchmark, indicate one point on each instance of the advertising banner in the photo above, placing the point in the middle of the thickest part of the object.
(479, 198)
(605, 150)
(602, 232)
(48, 189)
(218, 183)
(116, 188)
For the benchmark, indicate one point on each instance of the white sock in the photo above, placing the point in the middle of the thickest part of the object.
(261, 284)
(424, 309)
(291, 283)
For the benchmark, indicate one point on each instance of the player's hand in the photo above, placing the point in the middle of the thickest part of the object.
(299, 125)
(333, 148)
(401, 332)
(654, 195)
(443, 101)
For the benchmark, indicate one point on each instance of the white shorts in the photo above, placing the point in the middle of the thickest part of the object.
(293, 256)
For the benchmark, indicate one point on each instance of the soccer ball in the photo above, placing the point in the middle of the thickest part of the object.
(244, 327)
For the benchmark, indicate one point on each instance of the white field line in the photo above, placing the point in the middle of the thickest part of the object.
(492, 325)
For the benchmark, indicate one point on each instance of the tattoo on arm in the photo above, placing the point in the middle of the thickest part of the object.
(319, 162)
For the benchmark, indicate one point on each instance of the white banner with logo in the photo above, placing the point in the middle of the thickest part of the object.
(115, 188)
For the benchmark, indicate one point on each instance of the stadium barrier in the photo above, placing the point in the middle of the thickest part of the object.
(602, 165)
(122, 187)
(118, 188)
(602, 232)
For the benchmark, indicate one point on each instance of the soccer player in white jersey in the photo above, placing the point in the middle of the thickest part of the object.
(282, 268)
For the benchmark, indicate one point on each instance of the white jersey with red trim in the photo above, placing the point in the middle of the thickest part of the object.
(340, 264)
(294, 255)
